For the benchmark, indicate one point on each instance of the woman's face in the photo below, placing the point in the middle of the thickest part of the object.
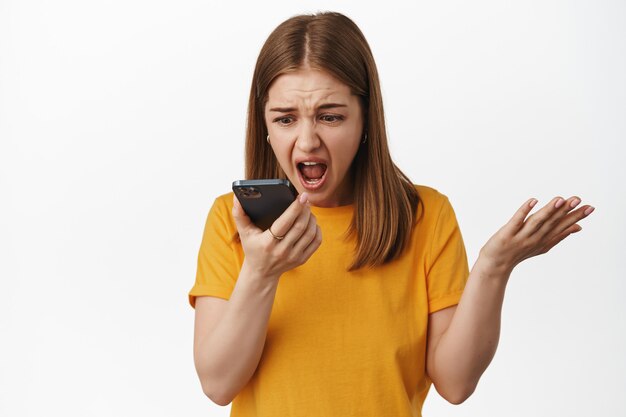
(315, 126)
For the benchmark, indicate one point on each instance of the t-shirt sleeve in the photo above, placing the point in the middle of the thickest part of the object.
(447, 268)
(218, 267)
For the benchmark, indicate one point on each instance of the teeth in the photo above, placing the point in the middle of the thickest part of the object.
(309, 163)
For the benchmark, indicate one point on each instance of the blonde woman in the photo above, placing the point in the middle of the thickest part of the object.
(359, 296)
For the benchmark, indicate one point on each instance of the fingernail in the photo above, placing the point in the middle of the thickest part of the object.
(574, 202)
(303, 198)
(589, 210)
(559, 203)
(532, 203)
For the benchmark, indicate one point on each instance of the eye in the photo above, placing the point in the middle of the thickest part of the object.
(284, 121)
(331, 118)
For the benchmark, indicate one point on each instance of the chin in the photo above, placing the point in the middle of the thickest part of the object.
(324, 199)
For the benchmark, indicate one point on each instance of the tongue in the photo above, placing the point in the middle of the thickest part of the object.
(313, 171)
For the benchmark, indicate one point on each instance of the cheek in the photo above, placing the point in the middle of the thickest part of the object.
(345, 152)
(354, 138)
(281, 149)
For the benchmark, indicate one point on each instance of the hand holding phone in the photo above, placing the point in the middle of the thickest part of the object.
(264, 200)
(294, 234)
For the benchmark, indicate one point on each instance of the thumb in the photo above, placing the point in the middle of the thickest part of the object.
(242, 221)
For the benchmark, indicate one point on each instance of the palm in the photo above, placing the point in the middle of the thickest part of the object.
(523, 237)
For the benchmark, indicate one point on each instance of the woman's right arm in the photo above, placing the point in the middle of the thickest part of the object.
(229, 335)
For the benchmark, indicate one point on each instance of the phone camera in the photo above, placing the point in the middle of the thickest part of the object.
(250, 192)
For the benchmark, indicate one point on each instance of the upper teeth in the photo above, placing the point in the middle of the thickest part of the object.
(309, 163)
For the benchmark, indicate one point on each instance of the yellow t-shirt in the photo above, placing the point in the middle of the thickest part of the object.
(343, 343)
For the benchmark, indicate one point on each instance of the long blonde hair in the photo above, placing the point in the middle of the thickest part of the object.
(385, 199)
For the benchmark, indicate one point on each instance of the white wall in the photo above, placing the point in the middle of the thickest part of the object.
(121, 121)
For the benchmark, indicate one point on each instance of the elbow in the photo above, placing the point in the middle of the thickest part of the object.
(221, 401)
(458, 399)
(457, 395)
(214, 387)
(219, 398)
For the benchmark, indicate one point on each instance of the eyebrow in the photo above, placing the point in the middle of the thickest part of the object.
(291, 109)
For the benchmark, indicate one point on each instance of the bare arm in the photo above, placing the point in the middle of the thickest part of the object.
(229, 335)
(463, 340)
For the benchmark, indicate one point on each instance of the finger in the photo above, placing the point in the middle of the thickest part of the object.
(315, 243)
(299, 227)
(281, 226)
(535, 221)
(245, 226)
(307, 237)
(575, 228)
(571, 218)
(555, 221)
(517, 221)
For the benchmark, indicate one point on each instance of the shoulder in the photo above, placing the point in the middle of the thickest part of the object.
(431, 199)
(434, 208)
(220, 215)
(224, 202)
(428, 193)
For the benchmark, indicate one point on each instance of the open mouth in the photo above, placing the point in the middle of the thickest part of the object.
(312, 174)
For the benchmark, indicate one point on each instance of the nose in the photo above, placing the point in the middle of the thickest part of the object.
(307, 140)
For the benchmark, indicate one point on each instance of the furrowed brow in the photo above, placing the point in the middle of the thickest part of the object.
(331, 106)
(292, 109)
(283, 109)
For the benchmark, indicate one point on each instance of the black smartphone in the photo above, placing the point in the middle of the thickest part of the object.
(264, 200)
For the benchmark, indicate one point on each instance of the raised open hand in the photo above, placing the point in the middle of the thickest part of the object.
(522, 238)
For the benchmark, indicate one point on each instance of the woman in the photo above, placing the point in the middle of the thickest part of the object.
(362, 320)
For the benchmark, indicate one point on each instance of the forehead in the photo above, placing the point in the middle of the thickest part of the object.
(308, 86)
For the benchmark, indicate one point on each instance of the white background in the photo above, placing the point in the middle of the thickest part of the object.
(121, 121)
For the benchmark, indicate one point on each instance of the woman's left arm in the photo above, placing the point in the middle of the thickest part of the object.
(463, 339)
